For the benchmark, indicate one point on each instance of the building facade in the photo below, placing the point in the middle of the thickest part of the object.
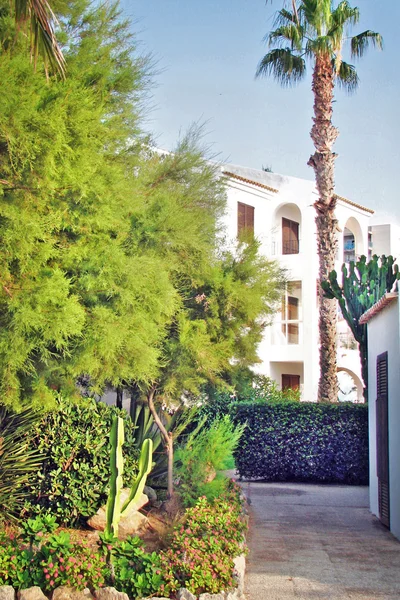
(279, 209)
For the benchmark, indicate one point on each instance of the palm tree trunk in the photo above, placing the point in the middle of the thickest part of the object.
(324, 134)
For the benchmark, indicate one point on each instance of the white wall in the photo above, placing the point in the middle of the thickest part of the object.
(293, 199)
(383, 336)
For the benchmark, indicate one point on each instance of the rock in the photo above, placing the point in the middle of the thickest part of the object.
(110, 593)
(184, 594)
(32, 593)
(7, 592)
(220, 596)
(150, 493)
(131, 525)
(98, 521)
(232, 595)
(240, 569)
(66, 593)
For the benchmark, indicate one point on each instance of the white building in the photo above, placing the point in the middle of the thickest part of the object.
(281, 212)
(383, 321)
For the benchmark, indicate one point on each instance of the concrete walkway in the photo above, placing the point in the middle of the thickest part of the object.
(311, 542)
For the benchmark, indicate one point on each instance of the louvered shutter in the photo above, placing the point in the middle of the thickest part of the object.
(382, 437)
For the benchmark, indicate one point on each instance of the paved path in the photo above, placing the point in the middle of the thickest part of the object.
(311, 542)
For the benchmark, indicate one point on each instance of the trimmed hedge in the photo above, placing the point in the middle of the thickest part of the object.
(292, 441)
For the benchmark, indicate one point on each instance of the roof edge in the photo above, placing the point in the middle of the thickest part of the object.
(378, 307)
(250, 181)
(347, 201)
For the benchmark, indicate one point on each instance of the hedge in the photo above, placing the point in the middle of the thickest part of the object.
(292, 441)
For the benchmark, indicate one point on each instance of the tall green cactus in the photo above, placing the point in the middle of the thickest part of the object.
(362, 286)
(114, 511)
(113, 508)
(145, 464)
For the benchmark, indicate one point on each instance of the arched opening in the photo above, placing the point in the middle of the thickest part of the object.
(350, 386)
(353, 243)
(287, 230)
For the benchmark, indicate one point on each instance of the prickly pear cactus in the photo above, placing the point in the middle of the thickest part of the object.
(362, 286)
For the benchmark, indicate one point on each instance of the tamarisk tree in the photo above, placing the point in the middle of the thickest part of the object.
(363, 284)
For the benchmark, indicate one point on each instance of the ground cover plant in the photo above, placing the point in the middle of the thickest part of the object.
(199, 554)
(294, 441)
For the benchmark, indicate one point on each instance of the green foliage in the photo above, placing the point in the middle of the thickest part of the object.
(34, 529)
(74, 440)
(363, 284)
(310, 30)
(202, 549)
(206, 450)
(113, 508)
(144, 468)
(19, 460)
(257, 388)
(52, 562)
(136, 572)
(75, 295)
(303, 441)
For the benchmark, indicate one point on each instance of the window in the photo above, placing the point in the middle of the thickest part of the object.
(290, 236)
(291, 382)
(291, 305)
(349, 246)
(245, 219)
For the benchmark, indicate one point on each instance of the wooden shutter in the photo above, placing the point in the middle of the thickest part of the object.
(290, 382)
(382, 437)
(245, 219)
(290, 236)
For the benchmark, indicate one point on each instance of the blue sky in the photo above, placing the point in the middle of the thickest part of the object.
(207, 53)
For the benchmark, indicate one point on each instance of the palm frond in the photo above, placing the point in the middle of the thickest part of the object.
(344, 14)
(291, 33)
(342, 17)
(361, 42)
(285, 17)
(317, 46)
(317, 13)
(42, 22)
(346, 74)
(18, 460)
(285, 66)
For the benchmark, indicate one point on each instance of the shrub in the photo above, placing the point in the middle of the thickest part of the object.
(294, 441)
(52, 562)
(73, 481)
(206, 451)
(260, 389)
(202, 549)
(19, 461)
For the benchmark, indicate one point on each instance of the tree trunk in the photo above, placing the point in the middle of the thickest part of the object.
(168, 442)
(120, 396)
(324, 134)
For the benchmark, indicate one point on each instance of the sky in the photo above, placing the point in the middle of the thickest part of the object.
(206, 53)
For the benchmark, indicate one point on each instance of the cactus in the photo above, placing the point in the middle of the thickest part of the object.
(362, 286)
(114, 512)
(113, 508)
(145, 464)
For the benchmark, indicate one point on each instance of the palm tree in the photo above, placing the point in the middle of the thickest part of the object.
(316, 31)
(43, 39)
